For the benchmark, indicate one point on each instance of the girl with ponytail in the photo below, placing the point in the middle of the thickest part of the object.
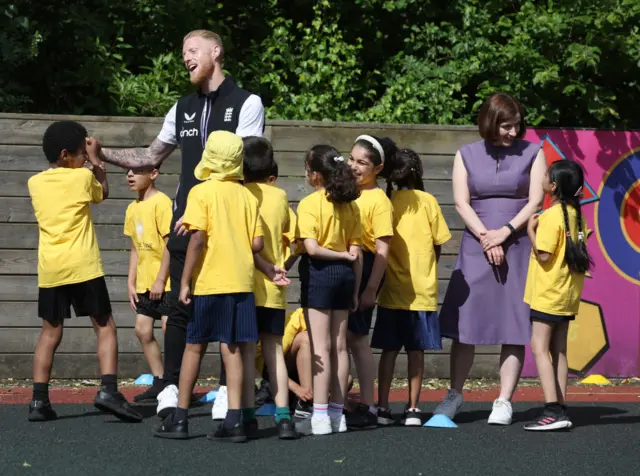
(330, 269)
(408, 301)
(559, 261)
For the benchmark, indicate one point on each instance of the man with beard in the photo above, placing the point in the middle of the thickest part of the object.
(219, 104)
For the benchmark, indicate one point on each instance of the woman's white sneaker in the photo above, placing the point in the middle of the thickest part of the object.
(502, 413)
(219, 409)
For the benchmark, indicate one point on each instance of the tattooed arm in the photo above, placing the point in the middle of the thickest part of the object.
(151, 156)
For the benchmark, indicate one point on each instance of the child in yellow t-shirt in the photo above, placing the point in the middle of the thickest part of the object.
(271, 298)
(559, 261)
(368, 158)
(330, 270)
(408, 302)
(70, 270)
(217, 281)
(147, 222)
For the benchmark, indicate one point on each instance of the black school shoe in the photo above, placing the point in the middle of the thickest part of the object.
(286, 429)
(117, 405)
(235, 434)
(40, 410)
(251, 428)
(150, 395)
(173, 430)
(361, 418)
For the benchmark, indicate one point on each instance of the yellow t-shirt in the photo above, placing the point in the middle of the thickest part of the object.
(551, 287)
(228, 213)
(411, 279)
(277, 228)
(68, 250)
(294, 324)
(334, 226)
(148, 222)
(376, 216)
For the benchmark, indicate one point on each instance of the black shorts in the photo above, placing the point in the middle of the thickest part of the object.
(326, 284)
(226, 318)
(270, 321)
(88, 298)
(413, 330)
(360, 321)
(556, 318)
(150, 308)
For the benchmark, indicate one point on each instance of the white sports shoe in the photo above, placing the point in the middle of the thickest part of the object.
(321, 425)
(451, 404)
(220, 404)
(338, 424)
(167, 401)
(502, 412)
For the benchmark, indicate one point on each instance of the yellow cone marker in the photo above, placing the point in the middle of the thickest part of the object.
(595, 380)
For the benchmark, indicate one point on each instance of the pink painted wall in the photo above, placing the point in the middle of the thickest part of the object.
(617, 291)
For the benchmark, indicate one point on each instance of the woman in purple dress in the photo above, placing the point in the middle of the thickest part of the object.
(497, 186)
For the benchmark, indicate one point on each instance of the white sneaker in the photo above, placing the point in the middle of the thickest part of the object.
(502, 412)
(338, 424)
(412, 417)
(167, 401)
(321, 425)
(451, 404)
(220, 404)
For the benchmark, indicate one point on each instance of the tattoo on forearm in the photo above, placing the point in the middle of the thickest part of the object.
(153, 155)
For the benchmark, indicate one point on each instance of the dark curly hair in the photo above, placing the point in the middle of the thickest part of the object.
(405, 171)
(389, 148)
(63, 135)
(339, 180)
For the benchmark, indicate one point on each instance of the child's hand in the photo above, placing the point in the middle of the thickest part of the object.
(368, 299)
(179, 229)
(350, 257)
(133, 297)
(93, 151)
(354, 302)
(185, 294)
(155, 293)
(532, 224)
(304, 394)
(279, 276)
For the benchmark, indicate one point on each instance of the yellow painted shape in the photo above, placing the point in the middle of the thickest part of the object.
(595, 380)
(586, 336)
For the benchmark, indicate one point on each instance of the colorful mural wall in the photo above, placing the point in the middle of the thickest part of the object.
(605, 337)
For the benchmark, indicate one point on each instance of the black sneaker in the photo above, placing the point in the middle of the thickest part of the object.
(116, 404)
(40, 410)
(361, 418)
(251, 428)
(412, 417)
(286, 429)
(150, 395)
(384, 417)
(174, 430)
(263, 394)
(303, 409)
(235, 434)
(550, 421)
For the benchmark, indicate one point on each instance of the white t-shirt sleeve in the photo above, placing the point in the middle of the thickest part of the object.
(168, 132)
(251, 120)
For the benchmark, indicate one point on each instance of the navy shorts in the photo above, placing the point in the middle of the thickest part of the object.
(226, 318)
(360, 321)
(270, 321)
(413, 330)
(88, 298)
(154, 309)
(555, 318)
(326, 284)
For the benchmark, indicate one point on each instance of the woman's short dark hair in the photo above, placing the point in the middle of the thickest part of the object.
(63, 135)
(498, 109)
(339, 180)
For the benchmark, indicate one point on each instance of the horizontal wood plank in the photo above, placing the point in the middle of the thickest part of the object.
(116, 263)
(429, 141)
(30, 158)
(112, 211)
(84, 366)
(25, 314)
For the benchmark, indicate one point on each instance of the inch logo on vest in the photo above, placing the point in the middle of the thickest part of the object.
(189, 132)
(189, 118)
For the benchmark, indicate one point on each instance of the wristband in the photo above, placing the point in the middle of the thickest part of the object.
(511, 228)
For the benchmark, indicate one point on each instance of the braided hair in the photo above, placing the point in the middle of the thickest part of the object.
(568, 177)
(405, 171)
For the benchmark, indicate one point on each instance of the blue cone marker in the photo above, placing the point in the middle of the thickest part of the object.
(440, 421)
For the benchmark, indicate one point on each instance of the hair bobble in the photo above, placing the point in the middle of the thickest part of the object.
(578, 192)
(580, 236)
(338, 159)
